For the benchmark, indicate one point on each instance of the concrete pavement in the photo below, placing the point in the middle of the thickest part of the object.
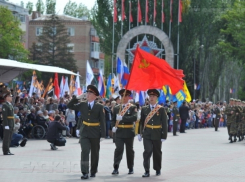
(199, 155)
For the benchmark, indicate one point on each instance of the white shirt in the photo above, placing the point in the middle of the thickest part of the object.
(153, 106)
(91, 104)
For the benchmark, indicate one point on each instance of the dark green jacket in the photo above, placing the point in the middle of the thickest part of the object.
(128, 119)
(8, 111)
(159, 118)
(175, 114)
(96, 115)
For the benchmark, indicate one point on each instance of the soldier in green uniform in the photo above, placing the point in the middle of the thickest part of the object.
(228, 110)
(233, 128)
(238, 120)
(91, 130)
(8, 122)
(176, 117)
(217, 118)
(153, 128)
(124, 116)
(243, 121)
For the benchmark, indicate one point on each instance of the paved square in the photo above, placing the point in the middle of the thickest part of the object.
(199, 155)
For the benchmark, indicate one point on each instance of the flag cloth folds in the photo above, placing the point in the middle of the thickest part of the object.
(187, 93)
(108, 87)
(179, 97)
(62, 84)
(150, 72)
(139, 12)
(66, 87)
(56, 86)
(163, 16)
(32, 88)
(78, 90)
(130, 12)
(101, 85)
(72, 85)
(180, 10)
(162, 97)
(146, 11)
(116, 85)
(125, 75)
(115, 11)
(89, 74)
(142, 98)
(123, 11)
(155, 10)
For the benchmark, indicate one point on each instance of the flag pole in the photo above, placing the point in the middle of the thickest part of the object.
(145, 11)
(122, 13)
(170, 19)
(113, 37)
(137, 19)
(178, 36)
(162, 23)
(129, 24)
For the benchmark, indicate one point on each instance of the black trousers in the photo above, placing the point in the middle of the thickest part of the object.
(129, 142)
(216, 124)
(155, 147)
(87, 145)
(7, 136)
(182, 125)
(175, 126)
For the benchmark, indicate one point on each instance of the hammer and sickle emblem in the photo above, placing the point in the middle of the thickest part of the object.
(143, 64)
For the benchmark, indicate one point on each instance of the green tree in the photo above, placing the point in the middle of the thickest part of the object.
(75, 10)
(40, 6)
(29, 6)
(53, 48)
(50, 6)
(11, 46)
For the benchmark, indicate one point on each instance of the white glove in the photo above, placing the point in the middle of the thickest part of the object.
(162, 140)
(77, 133)
(119, 117)
(6, 127)
(176, 120)
(114, 129)
(139, 115)
(139, 137)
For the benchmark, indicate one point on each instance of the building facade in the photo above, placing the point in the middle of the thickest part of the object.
(84, 41)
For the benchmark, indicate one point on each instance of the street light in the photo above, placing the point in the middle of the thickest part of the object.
(201, 47)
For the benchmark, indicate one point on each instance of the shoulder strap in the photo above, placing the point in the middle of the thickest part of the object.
(125, 109)
(151, 114)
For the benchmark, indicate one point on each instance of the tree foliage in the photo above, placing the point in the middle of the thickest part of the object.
(11, 45)
(76, 10)
(40, 6)
(52, 47)
(50, 6)
(29, 6)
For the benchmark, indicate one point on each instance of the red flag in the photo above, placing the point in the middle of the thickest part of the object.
(155, 10)
(149, 72)
(180, 10)
(139, 13)
(130, 13)
(115, 11)
(163, 16)
(171, 10)
(123, 10)
(146, 11)
(56, 86)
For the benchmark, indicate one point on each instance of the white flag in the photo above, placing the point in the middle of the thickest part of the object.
(62, 84)
(116, 84)
(78, 90)
(89, 74)
(66, 88)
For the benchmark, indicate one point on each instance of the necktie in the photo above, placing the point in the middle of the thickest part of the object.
(152, 108)
(89, 107)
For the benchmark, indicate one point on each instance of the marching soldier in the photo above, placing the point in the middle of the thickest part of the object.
(238, 119)
(218, 116)
(233, 129)
(124, 116)
(91, 130)
(176, 117)
(8, 122)
(153, 129)
(228, 110)
(243, 122)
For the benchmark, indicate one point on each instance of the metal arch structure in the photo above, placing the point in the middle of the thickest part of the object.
(146, 29)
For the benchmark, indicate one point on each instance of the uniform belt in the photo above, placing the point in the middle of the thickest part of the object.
(125, 126)
(177, 114)
(153, 126)
(10, 117)
(90, 124)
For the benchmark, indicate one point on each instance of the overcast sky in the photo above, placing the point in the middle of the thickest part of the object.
(60, 5)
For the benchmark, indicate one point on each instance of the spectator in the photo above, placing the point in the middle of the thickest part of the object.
(70, 120)
(62, 106)
(54, 136)
(41, 120)
(51, 105)
(51, 115)
(17, 137)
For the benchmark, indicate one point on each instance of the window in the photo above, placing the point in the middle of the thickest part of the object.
(22, 18)
(96, 64)
(71, 47)
(93, 32)
(71, 31)
(39, 31)
(95, 46)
